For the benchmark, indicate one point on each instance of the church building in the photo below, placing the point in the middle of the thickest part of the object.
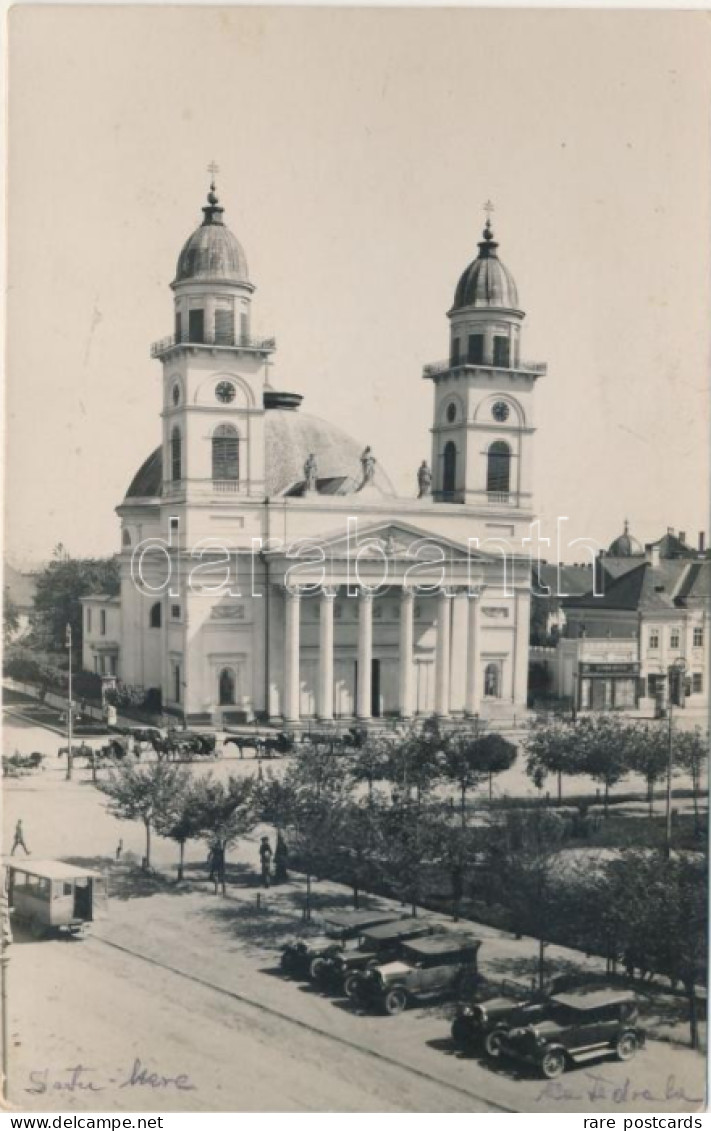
(269, 570)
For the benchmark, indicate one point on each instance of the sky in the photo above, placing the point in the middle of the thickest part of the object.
(356, 150)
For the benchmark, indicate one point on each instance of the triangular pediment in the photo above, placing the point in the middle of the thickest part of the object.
(398, 540)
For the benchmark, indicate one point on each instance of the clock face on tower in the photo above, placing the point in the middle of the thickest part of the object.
(500, 411)
(225, 392)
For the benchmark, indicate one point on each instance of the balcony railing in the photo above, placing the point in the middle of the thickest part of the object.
(175, 487)
(243, 342)
(436, 367)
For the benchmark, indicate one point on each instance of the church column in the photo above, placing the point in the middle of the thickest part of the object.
(292, 682)
(407, 670)
(442, 657)
(325, 654)
(365, 655)
(521, 639)
(458, 652)
(473, 691)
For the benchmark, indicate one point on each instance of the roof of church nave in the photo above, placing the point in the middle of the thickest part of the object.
(289, 438)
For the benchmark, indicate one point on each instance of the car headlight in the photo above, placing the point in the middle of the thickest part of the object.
(466, 1011)
(480, 1013)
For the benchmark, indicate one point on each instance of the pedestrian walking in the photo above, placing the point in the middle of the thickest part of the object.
(119, 850)
(19, 840)
(265, 856)
(281, 861)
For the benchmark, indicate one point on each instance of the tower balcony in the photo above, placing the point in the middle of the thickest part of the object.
(439, 368)
(237, 343)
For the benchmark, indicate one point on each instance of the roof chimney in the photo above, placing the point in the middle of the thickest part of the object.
(682, 536)
(653, 554)
(670, 530)
(702, 542)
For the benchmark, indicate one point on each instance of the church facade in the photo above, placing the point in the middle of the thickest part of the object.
(268, 568)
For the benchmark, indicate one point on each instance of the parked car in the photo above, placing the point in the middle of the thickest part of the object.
(376, 946)
(583, 1025)
(441, 965)
(480, 1024)
(342, 929)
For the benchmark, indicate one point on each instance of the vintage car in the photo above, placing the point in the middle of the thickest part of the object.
(432, 967)
(480, 1024)
(376, 945)
(576, 1027)
(342, 929)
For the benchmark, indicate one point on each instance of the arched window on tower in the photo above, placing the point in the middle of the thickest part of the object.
(498, 469)
(227, 687)
(449, 474)
(155, 616)
(225, 453)
(176, 455)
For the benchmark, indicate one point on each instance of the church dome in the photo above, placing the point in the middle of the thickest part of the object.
(625, 546)
(486, 282)
(290, 437)
(212, 254)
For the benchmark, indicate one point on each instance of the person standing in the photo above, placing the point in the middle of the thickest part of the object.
(19, 840)
(281, 860)
(265, 856)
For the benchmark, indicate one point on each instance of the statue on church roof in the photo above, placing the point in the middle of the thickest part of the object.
(311, 473)
(367, 462)
(424, 480)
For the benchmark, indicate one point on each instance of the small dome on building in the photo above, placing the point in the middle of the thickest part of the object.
(290, 438)
(625, 546)
(486, 282)
(212, 253)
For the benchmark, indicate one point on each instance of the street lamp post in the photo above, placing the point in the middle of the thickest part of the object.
(676, 669)
(70, 760)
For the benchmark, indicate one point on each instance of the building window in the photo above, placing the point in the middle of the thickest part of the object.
(454, 353)
(654, 638)
(501, 352)
(88, 620)
(96, 664)
(102, 622)
(177, 682)
(178, 326)
(697, 683)
(698, 638)
(475, 349)
(176, 455)
(155, 615)
(674, 638)
(449, 477)
(492, 681)
(451, 413)
(244, 328)
(112, 665)
(498, 470)
(126, 538)
(227, 687)
(175, 612)
(196, 325)
(225, 452)
(224, 326)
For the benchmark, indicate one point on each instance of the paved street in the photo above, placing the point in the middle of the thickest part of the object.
(193, 995)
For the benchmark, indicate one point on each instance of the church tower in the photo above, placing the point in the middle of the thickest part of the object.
(483, 394)
(213, 371)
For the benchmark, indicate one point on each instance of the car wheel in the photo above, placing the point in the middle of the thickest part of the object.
(350, 987)
(286, 962)
(626, 1046)
(492, 1043)
(395, 1001)
(316, 969)
(461, 1031)
(553, 1064)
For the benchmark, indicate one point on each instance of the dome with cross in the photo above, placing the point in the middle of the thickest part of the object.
(212, 254)
(486, 281)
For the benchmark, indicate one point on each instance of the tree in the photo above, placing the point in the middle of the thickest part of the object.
(462, 764)
(647, 753)
(11, 617)
(181, 822)
(372, 760)
(57, 597)
(604, 747)
(356, 829)
(151, 793)
(551, 748)
(523, 859)
(223, 811)
(495, 754)
(416, 759)
(691, 752)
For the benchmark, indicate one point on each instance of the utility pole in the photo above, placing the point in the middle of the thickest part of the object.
(70, 760)
(677, 670)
